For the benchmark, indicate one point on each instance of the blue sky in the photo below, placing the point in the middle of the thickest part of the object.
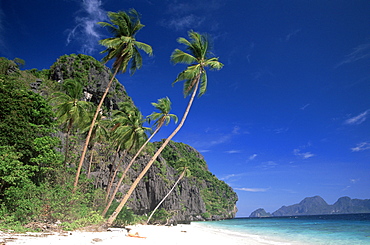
(286, 118)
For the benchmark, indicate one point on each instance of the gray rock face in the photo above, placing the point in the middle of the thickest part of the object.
(94, 75)
(187, 202)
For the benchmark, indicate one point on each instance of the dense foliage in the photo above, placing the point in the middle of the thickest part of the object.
(34, 187)
(218, 196)
(36, 184)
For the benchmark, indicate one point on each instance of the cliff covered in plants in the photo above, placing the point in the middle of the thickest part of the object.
(43, 164)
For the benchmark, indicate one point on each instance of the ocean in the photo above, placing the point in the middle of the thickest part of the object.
(338, 229)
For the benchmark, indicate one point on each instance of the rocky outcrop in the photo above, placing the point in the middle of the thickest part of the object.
(317, 206)
(93, 75)
(199, 197)
(191, 199)
(259, 213)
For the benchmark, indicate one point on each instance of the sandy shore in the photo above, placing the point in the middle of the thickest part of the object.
(176, 235)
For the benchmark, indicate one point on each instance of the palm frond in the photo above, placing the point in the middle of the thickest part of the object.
(203, 84)
(145, 47)
(179, 56)
(122, 47)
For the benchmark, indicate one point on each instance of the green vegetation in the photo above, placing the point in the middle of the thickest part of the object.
(78, 67)
(45, 116)
(217, 195)
(34, 184)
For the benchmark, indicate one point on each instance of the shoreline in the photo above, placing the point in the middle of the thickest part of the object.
(194, 233)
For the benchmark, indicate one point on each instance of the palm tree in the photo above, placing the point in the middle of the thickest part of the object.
(194, 76)
(99, 134)
(183, 167)
(161, 118)
(129, 132)
(123, 49)
(70, 110)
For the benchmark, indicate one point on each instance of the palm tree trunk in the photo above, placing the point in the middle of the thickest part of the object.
(126, 170)
(67, 143)
(91, 158)
(114, 174)
(164, 198)
(90, 131)
(150, 163)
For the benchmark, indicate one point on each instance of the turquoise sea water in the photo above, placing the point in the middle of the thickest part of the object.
(345, 229)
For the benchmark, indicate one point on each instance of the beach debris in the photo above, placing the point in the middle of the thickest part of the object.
(136, 235)
(97, 240)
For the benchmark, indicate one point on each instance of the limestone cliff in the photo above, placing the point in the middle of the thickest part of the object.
(199, 197)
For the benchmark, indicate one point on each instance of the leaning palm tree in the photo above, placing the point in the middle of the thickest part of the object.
(123, 48)
(195, 76)
(71, 111)
(183, 168)
(162, 117)
(129, 132)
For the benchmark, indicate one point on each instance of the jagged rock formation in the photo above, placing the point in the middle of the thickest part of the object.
(93, 75)
(259, 213)
(199, 197)
(317, 206)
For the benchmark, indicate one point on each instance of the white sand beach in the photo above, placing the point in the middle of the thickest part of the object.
(164, 235)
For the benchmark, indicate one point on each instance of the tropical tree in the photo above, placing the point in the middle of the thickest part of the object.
(163, 117)
(123, 48)
(183, 168)
(99, 134)
(71, 111)
(195, 77)
(129, 132)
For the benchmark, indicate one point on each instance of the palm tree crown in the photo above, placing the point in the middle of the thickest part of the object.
(197, 58)
(163, 116)
(123, 46)
(69, 108)
(129, 130)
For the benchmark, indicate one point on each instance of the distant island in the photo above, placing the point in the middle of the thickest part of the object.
(318, 206)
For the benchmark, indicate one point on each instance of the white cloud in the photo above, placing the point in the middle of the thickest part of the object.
(185, 22)
(361, 147)
(85, 32)
(304, 155)
(353, 181)
(185, 16)
(356, 120)
(233, 151)
(236, 130)
(281, 130)
(293, 33)
(304, 107)
(362, 51)
(268, 165)
(252, 189)
(221, 140)
(231, 176)
(203, 151)
(252, 157)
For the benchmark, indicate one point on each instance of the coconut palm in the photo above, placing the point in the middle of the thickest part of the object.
(195, 76)
(99, 134)
(123, 48)
(70, 110)
(163, 117)
(183, 168)
(129, 132)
